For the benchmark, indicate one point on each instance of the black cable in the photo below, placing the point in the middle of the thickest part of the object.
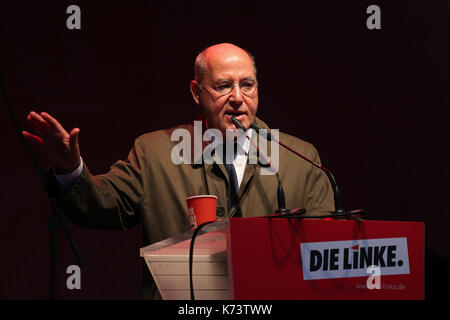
(346, 214)
(191, 254)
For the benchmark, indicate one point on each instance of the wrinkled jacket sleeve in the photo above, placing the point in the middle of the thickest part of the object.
(106, 201)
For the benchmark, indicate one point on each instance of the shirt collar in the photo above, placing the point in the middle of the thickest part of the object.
(244, 143)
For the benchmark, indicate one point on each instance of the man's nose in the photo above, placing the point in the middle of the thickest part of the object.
(236, 98)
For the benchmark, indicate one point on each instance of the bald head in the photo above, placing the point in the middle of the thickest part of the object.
(219, 53)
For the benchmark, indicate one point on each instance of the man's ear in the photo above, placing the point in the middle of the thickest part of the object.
(195, 91)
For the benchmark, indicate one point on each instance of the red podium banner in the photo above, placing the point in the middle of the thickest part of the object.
(291, 259)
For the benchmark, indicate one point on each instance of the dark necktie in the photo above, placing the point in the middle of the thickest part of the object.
(234, 186)
(232, 178)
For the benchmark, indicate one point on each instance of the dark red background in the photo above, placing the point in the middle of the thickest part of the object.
(374, 103)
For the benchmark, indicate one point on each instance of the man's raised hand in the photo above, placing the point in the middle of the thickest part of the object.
(60, 148)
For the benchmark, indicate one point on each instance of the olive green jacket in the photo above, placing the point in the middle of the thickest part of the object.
(149, 188)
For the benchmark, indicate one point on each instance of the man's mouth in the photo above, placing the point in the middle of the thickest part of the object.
(234, 113)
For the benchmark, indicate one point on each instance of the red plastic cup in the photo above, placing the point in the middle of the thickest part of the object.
(201, 209)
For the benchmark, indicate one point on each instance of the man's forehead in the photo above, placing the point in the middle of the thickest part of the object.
(232, 62)
(220, 55)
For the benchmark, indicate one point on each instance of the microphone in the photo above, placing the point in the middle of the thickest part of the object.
(338, 206)
(280, 192)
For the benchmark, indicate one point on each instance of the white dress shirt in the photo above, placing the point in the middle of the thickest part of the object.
(242, 154)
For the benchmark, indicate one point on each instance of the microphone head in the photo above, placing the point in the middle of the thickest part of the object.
(238, 124)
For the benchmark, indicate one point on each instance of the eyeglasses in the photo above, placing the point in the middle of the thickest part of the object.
(223, 88)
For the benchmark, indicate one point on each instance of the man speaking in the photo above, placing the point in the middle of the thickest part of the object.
(148, 187)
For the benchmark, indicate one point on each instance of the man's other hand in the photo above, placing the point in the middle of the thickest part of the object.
(60, 148)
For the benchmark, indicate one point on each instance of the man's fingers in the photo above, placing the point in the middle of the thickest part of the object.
(37, 127)
(38, 124)
(39, 149)
(53, 122)
(47, 127)
(34, 140)
(73, 140)
(39, 120)
(55, 144)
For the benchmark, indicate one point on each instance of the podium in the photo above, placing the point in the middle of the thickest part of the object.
(289, 259)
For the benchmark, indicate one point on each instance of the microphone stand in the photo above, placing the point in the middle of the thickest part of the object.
(339, 211)
(57, 219)
(282, 210)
